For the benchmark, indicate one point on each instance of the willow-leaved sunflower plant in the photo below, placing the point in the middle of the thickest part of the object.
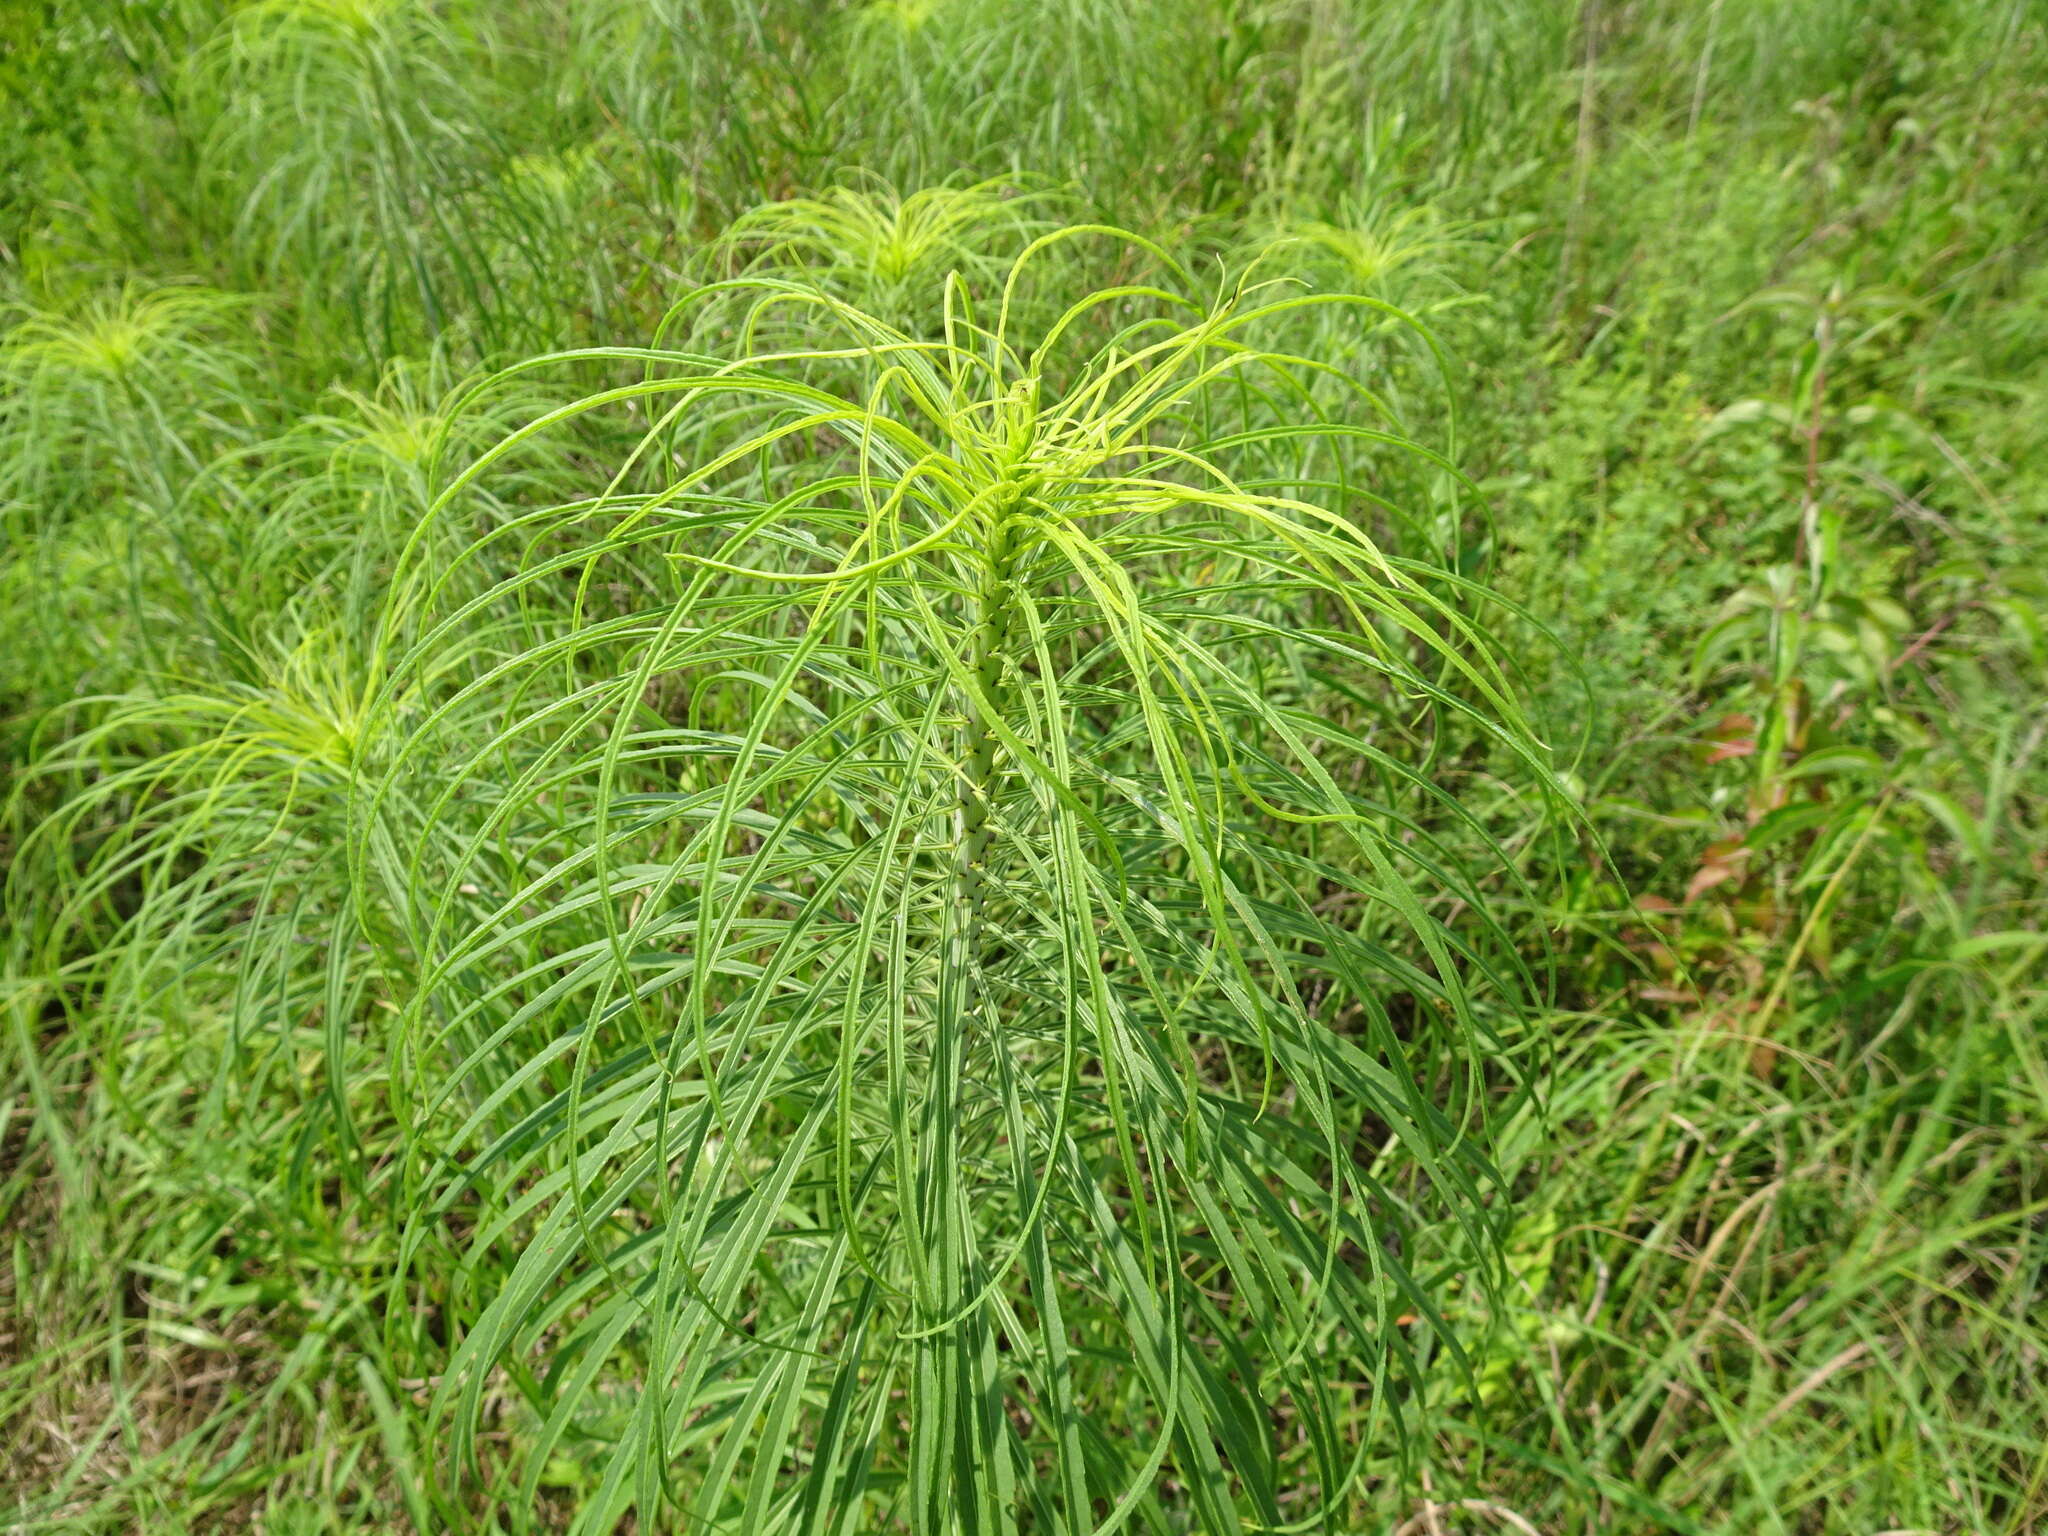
(914, 983)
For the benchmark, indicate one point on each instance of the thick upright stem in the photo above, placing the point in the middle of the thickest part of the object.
(978, 758)
(955, 1368)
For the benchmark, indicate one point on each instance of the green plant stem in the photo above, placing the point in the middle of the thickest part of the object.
(978, 757)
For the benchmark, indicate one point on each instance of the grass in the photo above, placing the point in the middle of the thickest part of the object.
(960, 767)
